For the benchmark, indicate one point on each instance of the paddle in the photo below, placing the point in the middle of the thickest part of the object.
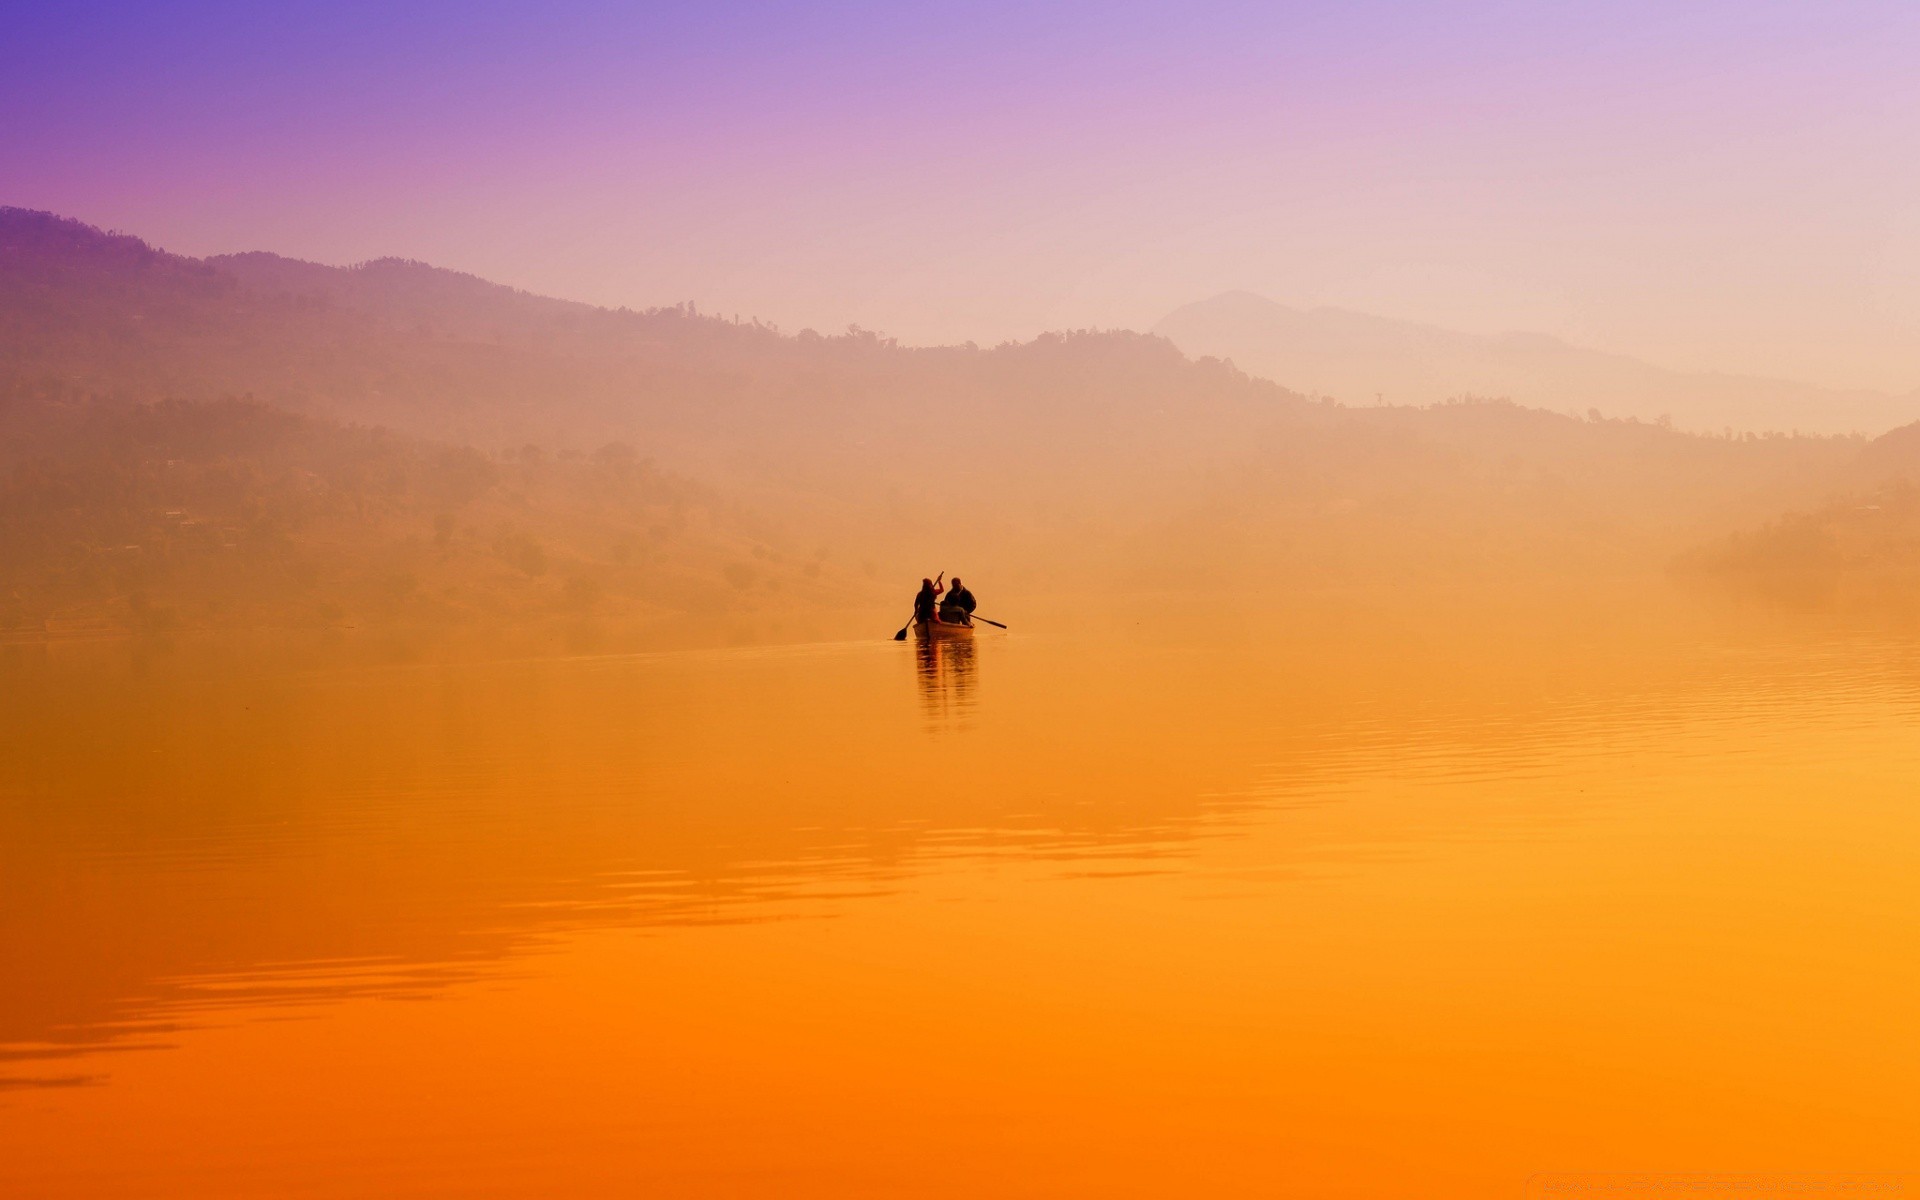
(995, 624)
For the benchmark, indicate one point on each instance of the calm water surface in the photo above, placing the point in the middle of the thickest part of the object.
(1356, 897)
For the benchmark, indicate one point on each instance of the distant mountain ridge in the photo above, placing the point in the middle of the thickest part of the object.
(1355, 357)
(1076, 456)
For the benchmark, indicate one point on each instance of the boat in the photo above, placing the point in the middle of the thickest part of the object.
(937, 628)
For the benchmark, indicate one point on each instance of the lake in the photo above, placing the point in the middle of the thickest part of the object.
(1436, 896)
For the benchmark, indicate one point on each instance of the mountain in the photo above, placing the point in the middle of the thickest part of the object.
(441, 355)
(1356, 358)
(1083, 460)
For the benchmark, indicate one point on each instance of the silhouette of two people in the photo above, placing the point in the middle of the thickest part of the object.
(956, 609)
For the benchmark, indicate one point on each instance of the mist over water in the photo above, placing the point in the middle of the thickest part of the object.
(1162, 893)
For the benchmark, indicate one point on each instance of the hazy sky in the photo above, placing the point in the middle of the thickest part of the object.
(1730, 185)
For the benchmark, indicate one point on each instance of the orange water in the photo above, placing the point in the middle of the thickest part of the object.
(1356, 897)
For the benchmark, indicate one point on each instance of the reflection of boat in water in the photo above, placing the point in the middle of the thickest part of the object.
(937, 628)
(946, 665)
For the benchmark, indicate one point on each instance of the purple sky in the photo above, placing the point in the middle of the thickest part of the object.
(1725, 185)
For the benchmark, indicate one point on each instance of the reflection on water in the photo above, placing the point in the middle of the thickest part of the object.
(946, 668)
(1210, 900)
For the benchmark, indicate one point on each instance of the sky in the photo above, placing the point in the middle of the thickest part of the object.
(1726, 186)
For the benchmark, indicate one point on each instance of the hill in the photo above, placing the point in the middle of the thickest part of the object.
(197, 514)
(1356, 357)
(1088, 459)
(1859, 545)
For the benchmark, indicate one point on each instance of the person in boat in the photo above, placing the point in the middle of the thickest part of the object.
(957, 608)
(927, 601)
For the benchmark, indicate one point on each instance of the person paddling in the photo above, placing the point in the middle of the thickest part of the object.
(928, 600)
(957, 608)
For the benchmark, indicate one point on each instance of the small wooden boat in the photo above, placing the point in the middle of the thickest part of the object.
(937, 628)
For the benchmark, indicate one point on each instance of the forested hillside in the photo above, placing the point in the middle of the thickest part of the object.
(1858, 545)
(190, 514)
